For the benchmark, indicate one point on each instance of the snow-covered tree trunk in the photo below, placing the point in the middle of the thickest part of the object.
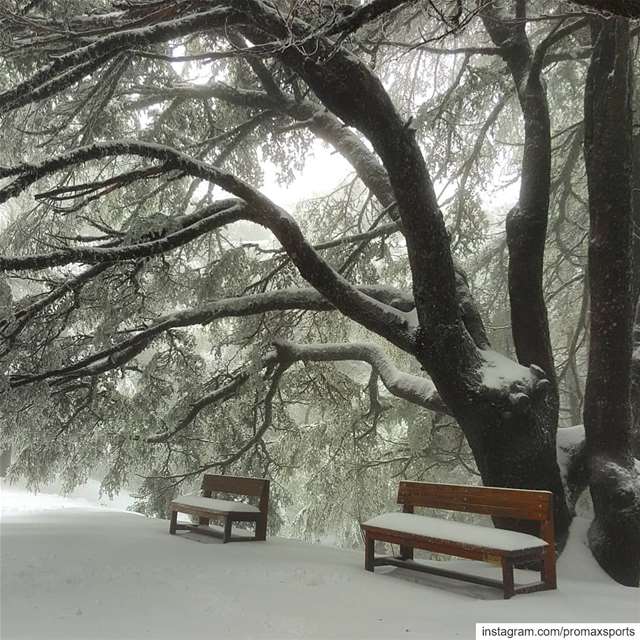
(614, 535)
(635, 382)
(635, 202)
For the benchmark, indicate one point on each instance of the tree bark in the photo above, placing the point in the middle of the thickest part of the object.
(635, 203)
(614, 535)
(527, 223)
(626, 8)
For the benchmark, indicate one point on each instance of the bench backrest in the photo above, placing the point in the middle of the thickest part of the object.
(514, 504)
(237, 485)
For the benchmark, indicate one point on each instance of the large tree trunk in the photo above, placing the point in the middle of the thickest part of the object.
(515, 446)
(519, 443)
(635, 381)
(614, 535)
(527, 223)
(635, 202)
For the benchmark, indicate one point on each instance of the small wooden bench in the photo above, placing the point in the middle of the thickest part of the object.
(230, 511)
(412, 531)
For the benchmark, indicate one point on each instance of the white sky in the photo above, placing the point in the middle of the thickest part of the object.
(323, 171)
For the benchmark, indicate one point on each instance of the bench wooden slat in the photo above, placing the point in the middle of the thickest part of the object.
(234, 484)
(457, 532)
(445, 573)
(215, 505)
(495, 501)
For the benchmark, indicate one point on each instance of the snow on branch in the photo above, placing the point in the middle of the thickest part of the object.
(415, 389)
(13, 322)
(505, 377)
(282, 300)
(305, 112)
(210, 218)
(368, 312)
(70, 67)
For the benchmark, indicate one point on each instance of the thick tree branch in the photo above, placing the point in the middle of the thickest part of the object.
(286, 299)
(364, 310)
(68, 68)
(210, 218)
(444, 343)
(414, 389)
(625, 8)
(527, 223)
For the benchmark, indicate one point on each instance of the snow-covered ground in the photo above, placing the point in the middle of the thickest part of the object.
(74, 570)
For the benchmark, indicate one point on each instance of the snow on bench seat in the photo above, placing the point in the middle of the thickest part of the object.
(461, 532)
(213, 504)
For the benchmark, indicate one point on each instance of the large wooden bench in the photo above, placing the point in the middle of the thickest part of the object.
(229, 511)
(412, 531)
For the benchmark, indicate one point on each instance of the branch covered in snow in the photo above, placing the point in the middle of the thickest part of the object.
(368, 312)
(415, 389)
(185, 230)
(285, 299)
(70, 67)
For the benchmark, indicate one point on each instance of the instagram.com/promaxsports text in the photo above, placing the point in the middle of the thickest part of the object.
(487, 630)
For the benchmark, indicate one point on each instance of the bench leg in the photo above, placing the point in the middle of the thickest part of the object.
(173, 523)
(406, 552)
(507, 578)
(369, 552)
(548, 571)
(227, 529)
(261, 529)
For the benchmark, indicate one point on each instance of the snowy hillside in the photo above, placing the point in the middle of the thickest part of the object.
(73, 571)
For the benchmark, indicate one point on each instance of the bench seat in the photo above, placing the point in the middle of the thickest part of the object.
(460, 532)
(214, 505)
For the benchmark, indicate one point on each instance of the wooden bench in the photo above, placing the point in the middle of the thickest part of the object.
(230, 511)
(412, 531)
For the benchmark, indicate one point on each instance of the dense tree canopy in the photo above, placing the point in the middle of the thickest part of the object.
(466, 289)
